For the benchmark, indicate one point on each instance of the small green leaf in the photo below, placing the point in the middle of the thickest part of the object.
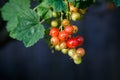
(47, 3)
(48, 14)
(28, 30)
(44, 12)
(59, 5)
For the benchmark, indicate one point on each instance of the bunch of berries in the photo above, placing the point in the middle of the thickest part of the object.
(64, 41)
(62, 33)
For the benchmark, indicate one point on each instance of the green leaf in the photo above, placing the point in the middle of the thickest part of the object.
(57, 5)
(13, 8)
(28, 30)
(117, 2)
(47, 3)
(48, 14)
(23, 23)
(21, 3)
(11, 24)
(73, 0)
(44, 12)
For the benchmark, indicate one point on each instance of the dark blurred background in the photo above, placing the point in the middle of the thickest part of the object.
(100, 27)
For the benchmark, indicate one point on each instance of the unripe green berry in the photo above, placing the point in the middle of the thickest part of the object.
(54, 14)
(64, 51)
(71, 52)
(57, 47)
(78, 61)
(75, 16)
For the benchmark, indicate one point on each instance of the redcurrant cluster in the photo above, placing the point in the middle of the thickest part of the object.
(62, 39)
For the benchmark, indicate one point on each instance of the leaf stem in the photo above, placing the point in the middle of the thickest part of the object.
(68, 9)
(42, 21)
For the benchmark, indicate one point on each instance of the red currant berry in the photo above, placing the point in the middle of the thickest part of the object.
(75, 16)
(54, 23)
(63, 35)
(63, 45)
(57, 47)
(71, 52)
(80, 40)
(75, 29)
(83, 11)
(54, 14)
(65, 22)
(54, 31)
(72, 43)
(64, 51)
(77, 59)
(81, 51)
(73, 9)
(54, 40)
(69, 29)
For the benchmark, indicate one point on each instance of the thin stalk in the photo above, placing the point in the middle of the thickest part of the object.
(68, 9)
(42, 21)
(61, 19)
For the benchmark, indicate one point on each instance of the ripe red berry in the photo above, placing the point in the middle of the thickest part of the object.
(63, 35)
(72, 43)
(54, 31)
(80, 40)
(54, 40)
(69, 29)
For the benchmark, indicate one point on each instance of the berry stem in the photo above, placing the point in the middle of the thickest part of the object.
(61, 18)
(42, 21)
(68, 9)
